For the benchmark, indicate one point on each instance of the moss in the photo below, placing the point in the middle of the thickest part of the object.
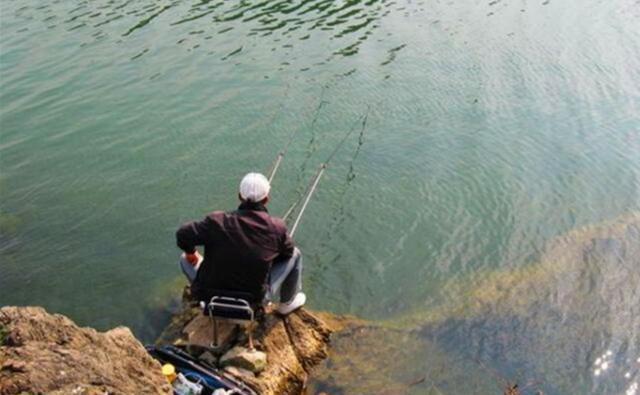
(513, 291)
(366, 358)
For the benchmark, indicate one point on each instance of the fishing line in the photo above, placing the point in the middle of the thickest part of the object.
(351, 129)
(300, 197)
(323, 166)
(339, 217)
(276, 165)
(311, 147)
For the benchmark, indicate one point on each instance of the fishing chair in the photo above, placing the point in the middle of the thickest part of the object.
(232, 307)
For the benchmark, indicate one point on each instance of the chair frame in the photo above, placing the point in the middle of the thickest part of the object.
(231, 303)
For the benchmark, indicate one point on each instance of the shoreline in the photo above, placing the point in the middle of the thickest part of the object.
(49, 353)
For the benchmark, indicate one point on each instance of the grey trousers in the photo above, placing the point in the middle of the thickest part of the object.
(285, 277)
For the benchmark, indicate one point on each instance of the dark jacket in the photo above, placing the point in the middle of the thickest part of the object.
(239, 248)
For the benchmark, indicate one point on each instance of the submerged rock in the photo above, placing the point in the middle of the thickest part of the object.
(49, 353)
(367, 358)
(544, 325)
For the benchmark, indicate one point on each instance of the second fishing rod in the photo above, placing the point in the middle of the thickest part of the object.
(313, 185)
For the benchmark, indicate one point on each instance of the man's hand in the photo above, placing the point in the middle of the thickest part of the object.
(192, 258)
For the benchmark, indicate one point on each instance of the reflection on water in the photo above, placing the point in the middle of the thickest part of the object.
(492, 127)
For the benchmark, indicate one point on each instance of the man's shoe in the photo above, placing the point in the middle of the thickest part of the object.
(296, 303)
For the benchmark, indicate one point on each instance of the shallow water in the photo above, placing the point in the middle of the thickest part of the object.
(492, 128)
(564, 325)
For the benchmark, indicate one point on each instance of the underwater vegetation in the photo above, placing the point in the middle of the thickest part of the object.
(565, 324)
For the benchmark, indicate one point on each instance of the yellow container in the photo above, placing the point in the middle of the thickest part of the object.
(169, 371)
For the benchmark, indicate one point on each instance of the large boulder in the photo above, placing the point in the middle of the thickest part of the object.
(48, 353)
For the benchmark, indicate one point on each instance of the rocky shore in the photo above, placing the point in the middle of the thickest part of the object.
(293, 345)
(42, 353)
(49, 353)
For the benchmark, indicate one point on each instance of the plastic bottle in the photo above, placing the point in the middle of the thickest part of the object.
(182, 386)
(169, 371)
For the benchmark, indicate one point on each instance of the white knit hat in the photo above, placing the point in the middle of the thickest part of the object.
(254, 187)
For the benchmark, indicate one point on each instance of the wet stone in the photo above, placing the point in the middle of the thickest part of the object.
(239, 372)
(240, 357)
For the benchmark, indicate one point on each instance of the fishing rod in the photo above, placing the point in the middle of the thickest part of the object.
(314, 185)
(316, 179)
(276, 165)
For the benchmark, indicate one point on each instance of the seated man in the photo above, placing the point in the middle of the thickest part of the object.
(246, 250)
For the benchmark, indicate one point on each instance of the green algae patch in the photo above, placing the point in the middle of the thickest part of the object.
(570, 258)
(472, 297)
(370, 359)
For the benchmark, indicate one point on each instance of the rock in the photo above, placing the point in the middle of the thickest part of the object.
(173, 333)
(295, 344)
(239, 372)
(14, 366)
(310, 346)
(190, 327)
(208, 358)
(199, 332)
(48, 353)
(240, 357)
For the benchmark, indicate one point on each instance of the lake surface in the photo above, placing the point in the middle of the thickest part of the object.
(493, 128)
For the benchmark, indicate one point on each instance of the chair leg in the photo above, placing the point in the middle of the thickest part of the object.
(215, 332)
(250, 335)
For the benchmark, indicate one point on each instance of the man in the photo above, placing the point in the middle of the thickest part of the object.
(246, 250)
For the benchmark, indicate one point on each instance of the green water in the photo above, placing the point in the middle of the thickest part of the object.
(493, 128)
